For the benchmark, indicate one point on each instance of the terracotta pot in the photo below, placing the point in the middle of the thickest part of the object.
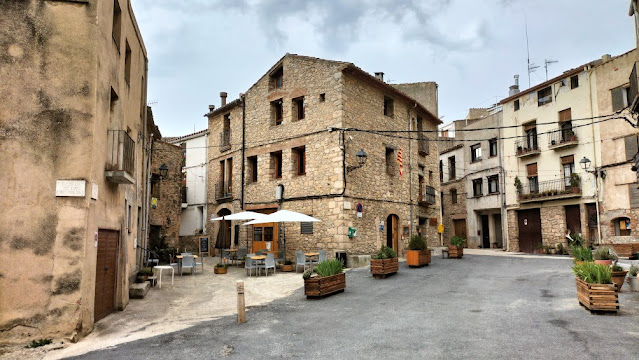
(603, 262)
(618, 277)
(287, 268)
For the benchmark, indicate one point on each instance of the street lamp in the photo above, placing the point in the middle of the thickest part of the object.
(164, 171)
(585, 163)
(361, 160)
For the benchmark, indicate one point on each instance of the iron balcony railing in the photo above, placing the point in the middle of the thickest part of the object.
(121, 156)
(525, 146)
(427, 194)
(561, 136)
(225, 140)
(223, 190)
(551, 188)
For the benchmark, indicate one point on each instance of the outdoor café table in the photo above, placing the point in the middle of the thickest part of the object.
(161, 268)
(311, 254)
(257, 258)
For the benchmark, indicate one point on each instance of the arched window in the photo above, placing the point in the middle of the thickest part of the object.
(622, 226)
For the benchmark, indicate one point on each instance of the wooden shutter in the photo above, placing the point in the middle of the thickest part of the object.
(617, 98)
(565, 115)
(306, 227)
(531, 169)
(570, 159)
(633, 194)
(631, 146)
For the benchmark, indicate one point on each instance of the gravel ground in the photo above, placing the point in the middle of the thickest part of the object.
(475, 308)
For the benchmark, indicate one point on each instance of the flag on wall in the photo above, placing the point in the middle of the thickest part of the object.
(400, 162)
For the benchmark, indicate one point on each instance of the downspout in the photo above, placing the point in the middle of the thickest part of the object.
(242, 97)
(589, 71)
(145, 175)
(148, 195)
(410, 169)
(504, 212)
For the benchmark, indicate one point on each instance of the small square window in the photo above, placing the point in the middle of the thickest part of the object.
(388, 106)
(322, 97)
(517, 105)
(306, 227)
(574, 81)
(475, 152)
(477, 187)
(493, 147)
(544, 96)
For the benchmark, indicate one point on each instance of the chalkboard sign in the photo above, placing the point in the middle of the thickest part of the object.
(204, 246)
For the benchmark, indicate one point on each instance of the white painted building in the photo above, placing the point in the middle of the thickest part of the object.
(194, 212)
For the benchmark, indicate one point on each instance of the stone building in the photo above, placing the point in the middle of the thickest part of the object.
(166, 195)
(299, 128)
(72, 138)
(557, 125)
(451, 174)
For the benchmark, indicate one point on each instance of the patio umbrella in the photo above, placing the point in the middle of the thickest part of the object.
(244, 215)
(283, 216)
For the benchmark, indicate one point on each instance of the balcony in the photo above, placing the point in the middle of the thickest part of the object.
(525, 148)
(549, 190)
(120, 165)
(183, 195)
(562, 138)
(633, 91)
(223, 191)
(225, 140)
(426, 195)
(422, 145)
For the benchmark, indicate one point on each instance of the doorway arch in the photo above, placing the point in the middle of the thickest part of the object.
(392, 232)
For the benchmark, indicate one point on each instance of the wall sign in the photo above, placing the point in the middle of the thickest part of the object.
(352, 232)
(204, 246)
(70, 188)
(360, 209)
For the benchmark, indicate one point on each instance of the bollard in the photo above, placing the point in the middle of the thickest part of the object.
(241, 309)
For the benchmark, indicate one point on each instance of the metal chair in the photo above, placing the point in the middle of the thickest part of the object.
(201, 263)
(280, 256)
(322, 256)
(250, 264)
(188, 262)
(300, 260)
(241, 254)
(173, 262)
(269, 263)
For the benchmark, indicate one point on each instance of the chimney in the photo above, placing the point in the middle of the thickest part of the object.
(379, 76)
(223, 98)
(605, 58)
(514, 89)
(211, 108)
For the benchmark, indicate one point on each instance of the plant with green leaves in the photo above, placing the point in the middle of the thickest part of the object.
(307, 274)
(145, 271)
(575, 180)
(518, 185)
(384, 253)
(616, 267)
(593, 273)
(581, 253)
(560, 249)
(575, 240)
(329, 268)
(633, 271)
(37, 343)
(457, 241)
(604, 253)
(417, 243)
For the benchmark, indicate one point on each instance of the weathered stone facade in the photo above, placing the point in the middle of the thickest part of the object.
(166, 196)
(74, 96)
(336, 95)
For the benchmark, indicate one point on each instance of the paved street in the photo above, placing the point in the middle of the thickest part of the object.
(478, 307)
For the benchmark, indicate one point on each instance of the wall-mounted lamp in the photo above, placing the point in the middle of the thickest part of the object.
(585, 163)
(361, 160)
(164, 171)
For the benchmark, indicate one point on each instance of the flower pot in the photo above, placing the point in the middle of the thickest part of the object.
(455, 252)
(418, 258)
(287, 268)
(618, 277)
(220, 270)
(381, 268)
(598, 297)
(604, 262)
(317, 287)
(633, 282)
(575, 190)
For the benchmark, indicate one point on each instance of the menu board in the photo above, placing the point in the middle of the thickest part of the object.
(204, 246)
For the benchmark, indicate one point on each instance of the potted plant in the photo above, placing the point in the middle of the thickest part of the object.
(595, 289)
(418, 254)
(581, 254)
(572, 136)
(575, 183)
(288, 266)
(561, 250)
(330, 279)
(384, 263)
(604, 256)
(633, 281)
(221, 268)
(618, 275)
(144, 273)
(518, 186)
(456, 247)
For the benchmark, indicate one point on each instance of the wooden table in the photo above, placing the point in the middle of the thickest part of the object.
(180, 257)
(257, 258)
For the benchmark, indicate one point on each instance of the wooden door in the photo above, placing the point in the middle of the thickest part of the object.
(485, 232)
(573, 218)
(529, 230)
(392, 231)
(460, 228)
(105, 273)
(263, 235)
(591, 216)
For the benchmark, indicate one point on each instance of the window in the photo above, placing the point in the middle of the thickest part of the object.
(277, 79)
(129, 220)
(477, 187)
(492, 144)
(116, 31)
(298, 108)
(422, 141)
(127, 63)
(252, 164)
(574, 81)
(390, 161)
(441, 171)
(276, 164)
(544, 96)
(516, 105)
(567, 168)
(630, 143)
(306, 227)
(322, 97)
(257, 233)
(453, 196)
(276, 111)
(531, 136)
(225, 188)
(300, 160)
(622, 226)
(155, 186)
(531, 171)
(388, 106)
(451, 168)
(493, 184)
(475, 152)
(619, 97)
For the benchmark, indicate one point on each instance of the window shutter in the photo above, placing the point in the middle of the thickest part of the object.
(617, 98)
(531, 169)
(306, 227)
(565, 115)
(631, 146)
(570, 159)
(633, 194)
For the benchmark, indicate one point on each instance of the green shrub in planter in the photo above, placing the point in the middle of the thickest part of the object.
(593, 273)
(329, 268)
(457, 241)
(384, 253)
(633, 271)
(417, 243)
(145, 271)
(581, 253)
(604, 253)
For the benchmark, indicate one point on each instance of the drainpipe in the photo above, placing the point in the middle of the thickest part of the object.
(148, 196)
(504, 212)
(242, 98)
(410, 169)
(589, 71)
(145, 174)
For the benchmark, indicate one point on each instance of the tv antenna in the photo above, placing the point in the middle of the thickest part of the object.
(151, 103)
(531, 67)
(546, 63)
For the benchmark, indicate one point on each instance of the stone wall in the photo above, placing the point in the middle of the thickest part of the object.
(553, 225)
(513, 231)
(424, 92)
(453, 211)
(169, 199)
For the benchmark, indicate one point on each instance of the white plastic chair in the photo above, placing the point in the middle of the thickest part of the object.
(300, 260)
(249, 264)
(188, 261)
(322, 256)
(269, 263)
(201, 264)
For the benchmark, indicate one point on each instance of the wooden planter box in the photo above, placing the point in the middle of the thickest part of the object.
(381, 268)
(418, 258)
(317, 287)
(287, 268)
(598, 297)
(455, 252)
(220, 270)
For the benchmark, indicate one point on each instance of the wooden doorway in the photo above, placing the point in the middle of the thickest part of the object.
(459, 226)
(573, 218)
(485, 232)
(392, 232)
(529, 222)
(105, 273)
(591, 216)
(265, 237)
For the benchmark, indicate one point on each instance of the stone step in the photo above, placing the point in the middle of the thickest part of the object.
(139, 290)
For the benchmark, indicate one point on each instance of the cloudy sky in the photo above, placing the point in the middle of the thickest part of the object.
(472, 49)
